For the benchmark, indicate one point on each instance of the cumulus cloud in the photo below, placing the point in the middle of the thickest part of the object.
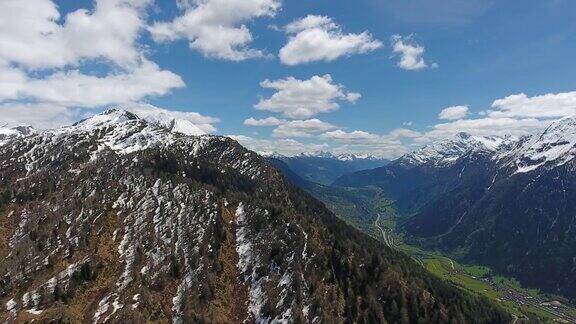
(12, 80)
(301, 128)
(285, 146)
(37, 115)
(43, 56)
(361, 142)
(216, 28)
(411, 54)
(305, 98)
(270, 121)
(404, 133)
(74, 88)
(319, 38)
(453, 113)
(551, 105)
(516, 114)
(350, 137)
(487, 126)
(31, 35)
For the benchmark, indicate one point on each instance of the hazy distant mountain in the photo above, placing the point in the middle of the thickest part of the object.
(325, 167)
(509, 203)
(119, 219)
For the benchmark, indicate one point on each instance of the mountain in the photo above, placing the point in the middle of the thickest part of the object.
(7, 134)
(356, 206)
(507, 203)
(118, 219)
(325, 167)
(446, 152)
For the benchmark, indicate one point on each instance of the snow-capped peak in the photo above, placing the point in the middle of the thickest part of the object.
(353, 157)
(556, 144)
(8, 133)
(118, 115)
(318, 154)
(110, 117)
(445, 152)
(272, 154)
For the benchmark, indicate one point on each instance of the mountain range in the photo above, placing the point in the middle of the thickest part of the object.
(121, 219)
(500, 201)
(325, 167)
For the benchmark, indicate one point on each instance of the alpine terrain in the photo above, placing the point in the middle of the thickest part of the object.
(121, 218)
(325, 167)
(500, 201)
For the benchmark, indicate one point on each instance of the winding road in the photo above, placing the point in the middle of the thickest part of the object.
(388, 239)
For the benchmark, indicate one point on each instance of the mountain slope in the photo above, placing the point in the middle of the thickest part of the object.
(356, 206)
(116, 219)
(7, 134)
(510, 206)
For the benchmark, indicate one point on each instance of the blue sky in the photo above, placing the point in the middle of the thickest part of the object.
(474, 53)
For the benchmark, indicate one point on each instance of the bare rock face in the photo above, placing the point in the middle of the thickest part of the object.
(116, 219)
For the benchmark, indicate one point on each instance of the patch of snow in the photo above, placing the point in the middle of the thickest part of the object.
(103, 307)
(34, 311)
(247, 264)
(11, 307)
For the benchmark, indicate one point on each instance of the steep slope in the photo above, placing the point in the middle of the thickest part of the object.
(116, 219)
(356, 206)
(510, 206)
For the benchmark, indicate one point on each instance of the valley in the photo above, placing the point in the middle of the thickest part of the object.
(382, 202)
(122, 219)
(523, 303)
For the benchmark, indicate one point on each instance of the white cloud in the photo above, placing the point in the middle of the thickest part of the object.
(270, 121)
(361, 142)
(12, 80)
(31, 36)
(453, 113)
(551, 105)
(487, 126)
(512, 115)
(410, 53)
(73, 88)
(319, 38)
(354, 136)
(304, 98)
(42, 55)
(301, 128)
(404, 133)
(283, 146)
(39, 116)
(216, 28)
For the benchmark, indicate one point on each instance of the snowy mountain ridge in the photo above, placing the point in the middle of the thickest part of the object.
(446, 152)
(553, 146)
(7, 133)
(123, 120)
(324, 155)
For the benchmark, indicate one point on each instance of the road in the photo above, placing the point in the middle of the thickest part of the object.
(386, 233)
